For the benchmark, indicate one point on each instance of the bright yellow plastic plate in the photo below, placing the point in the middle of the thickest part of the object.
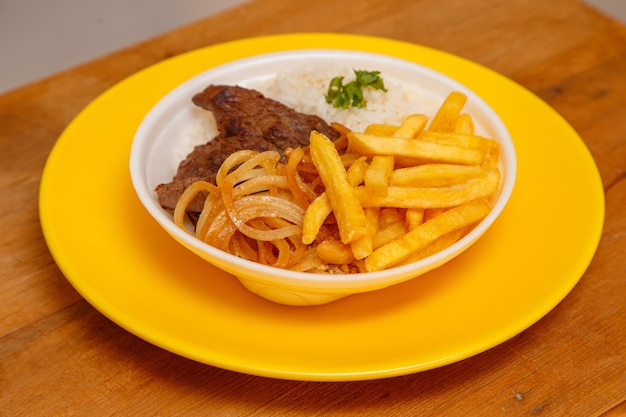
(128, 268)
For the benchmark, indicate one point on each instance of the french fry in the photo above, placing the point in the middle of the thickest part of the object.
(389, 233)
(414, 217)
(342, 141)
(448, 113)
(437, 245)
(433, 212)
(434, 197)
(464, 124)
(389, 215)
(363, 247)
(347, 159)
(376, 177)
(314, 217)
(356, 171)
(493, 154)
(341, 194)
(414, 151)
(472, 141)
(335, 252)
(411, 126)
(320, 207)
(433, 175)
(398, 250)
(379, 129)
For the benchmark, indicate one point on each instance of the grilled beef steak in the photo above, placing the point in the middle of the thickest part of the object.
(245, 120)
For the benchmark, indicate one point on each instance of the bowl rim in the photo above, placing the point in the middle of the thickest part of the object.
(299, 279)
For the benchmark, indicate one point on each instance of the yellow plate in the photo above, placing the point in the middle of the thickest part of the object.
(128, 268)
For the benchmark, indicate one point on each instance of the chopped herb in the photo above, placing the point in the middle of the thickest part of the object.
(342, 95)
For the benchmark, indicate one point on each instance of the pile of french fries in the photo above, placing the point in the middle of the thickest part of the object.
(401, 193)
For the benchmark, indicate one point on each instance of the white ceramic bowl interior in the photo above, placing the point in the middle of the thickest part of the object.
(155, 157)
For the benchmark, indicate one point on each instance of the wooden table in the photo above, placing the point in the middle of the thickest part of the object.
(59, 356)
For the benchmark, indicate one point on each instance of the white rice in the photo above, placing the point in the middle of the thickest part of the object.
(304, 89)
(202, 130)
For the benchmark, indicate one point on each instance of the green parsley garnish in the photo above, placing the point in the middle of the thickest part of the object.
(342, 95)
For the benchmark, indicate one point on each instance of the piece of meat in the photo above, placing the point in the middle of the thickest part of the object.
(240, 112)
(245, 119)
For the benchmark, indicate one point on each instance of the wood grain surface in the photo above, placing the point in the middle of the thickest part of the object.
(61, 357)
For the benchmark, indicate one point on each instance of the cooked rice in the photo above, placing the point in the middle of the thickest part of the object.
(304, 89)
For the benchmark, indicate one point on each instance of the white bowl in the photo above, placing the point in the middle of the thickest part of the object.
(155, 157)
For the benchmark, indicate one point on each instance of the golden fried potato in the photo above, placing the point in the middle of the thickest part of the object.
(468, 141)
(417, 239)
(341, 194)
(414, 217)
(411, 126)
(314, 217)
(464, 124)
(380, 129)
(377, 174)
(414, 151)
(363, 247)
(448, 113)
(335, 252)
(482, 186)
(434, 175)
